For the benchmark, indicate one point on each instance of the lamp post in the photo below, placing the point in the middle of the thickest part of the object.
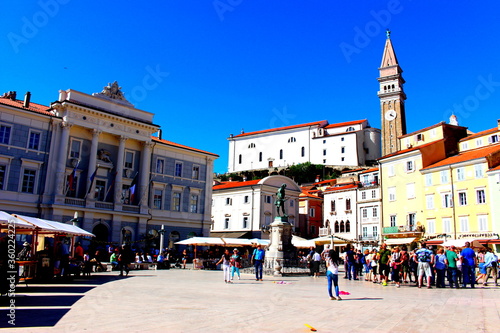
(162, 237)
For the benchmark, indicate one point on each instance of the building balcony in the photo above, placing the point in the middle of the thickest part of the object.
(324, 232)
(104, 205)
(131, 209)
(74, 202)
(403, 229)
(370, 183)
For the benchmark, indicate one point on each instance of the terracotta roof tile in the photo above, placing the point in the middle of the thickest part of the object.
(228, 185)
(316, 123)
(347, 123)
(39, 108)
(478, 134)
(370, 170)
(340, 188)
(170, 143)
(409, 149)
(495, 168)
(467, 155)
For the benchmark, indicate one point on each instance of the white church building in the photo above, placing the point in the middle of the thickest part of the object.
(348, 144)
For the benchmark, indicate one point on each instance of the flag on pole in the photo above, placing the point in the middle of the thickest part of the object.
(92, 177)
(72, 177)
(111, 185)
(133, 188)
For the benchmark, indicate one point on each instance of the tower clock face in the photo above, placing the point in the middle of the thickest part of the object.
(390, 115)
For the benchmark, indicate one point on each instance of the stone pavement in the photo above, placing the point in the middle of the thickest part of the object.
(199, 301)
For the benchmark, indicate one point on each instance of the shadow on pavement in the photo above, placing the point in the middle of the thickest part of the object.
(43, 305)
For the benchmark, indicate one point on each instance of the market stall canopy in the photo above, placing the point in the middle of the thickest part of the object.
(474, 243)
(6, 218)
(399, 241)
(202, 241)
(47, 226)
(300, 242)
(323, 240)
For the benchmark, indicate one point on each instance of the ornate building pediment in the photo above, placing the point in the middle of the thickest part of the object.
(113, 91)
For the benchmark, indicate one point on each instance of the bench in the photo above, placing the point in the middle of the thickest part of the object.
(143, 265)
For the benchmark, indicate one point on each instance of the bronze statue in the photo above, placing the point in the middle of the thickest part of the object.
(280, 200)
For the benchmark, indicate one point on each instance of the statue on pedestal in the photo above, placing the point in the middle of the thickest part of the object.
(280, 201)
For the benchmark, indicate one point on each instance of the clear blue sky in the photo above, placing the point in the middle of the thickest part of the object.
(208, 69)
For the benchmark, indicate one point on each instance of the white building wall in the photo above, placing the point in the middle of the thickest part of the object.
(494, 193)
(340, 212)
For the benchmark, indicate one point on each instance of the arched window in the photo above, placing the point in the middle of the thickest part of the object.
(332, 205)
(260, 157)
(347, 226)
(292, 139)
(252, 145)
(347, 204)
(302, 151)
(337, 230)
(281, 154)
(350, 129)
(342, 226)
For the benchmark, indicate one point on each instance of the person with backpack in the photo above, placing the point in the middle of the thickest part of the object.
(258, 260)
(425, 259)
(491, 263)
(383, 257)
(405, 264)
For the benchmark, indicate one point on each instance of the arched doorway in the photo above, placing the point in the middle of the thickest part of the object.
(101, 233)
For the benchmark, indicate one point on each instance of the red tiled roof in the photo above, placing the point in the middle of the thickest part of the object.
(495, 168)
(309, 194)
(325, 181)
(478, 134)
(409, 149)
(467, 155)
(316, 123)
(354, 170)
(43, 109)
(370, 170)
(428, 128)
(170, 143)
(227, 185)
(347, 123)
(339, 188)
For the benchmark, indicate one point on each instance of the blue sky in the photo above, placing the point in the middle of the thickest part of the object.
(208, 69)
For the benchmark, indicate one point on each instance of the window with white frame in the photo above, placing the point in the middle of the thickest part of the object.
(364, 213)
(160, 165)
(268, 199)
(429, 199)
(196, 172)
(246, 199)
(480, 196)
(245, 222)
(460, 173)
(446, 200)
(193, 203)
(465, 146)
(482, 222)
(390, 171)
(479, 142)
(5, 134)
(410, 166)
(226, 223)
(411, 218)
(229, 201)
(178, 169)
(464, 223)
(157, 198)
(478, 170)
(363, 195)
(462, 198)
(28, 181)
(446, 225)
(375, 231)
(374, 212)
(431, 226)
(34, 140)
(176, 201)
(392, 193)
(493, 139)
(410, 190)
(267, 219)
(129, 160)
(75, 148)
(374, 194)
(365, 231)
(312, 212)
(444, 176)
(3, 170)
(428, 179)
(392, 219)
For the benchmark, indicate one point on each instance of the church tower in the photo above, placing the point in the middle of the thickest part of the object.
(392, 100)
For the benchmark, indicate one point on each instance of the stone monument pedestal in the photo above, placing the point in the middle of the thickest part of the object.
(281, 242)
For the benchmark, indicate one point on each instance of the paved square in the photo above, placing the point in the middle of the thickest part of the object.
(199, 301)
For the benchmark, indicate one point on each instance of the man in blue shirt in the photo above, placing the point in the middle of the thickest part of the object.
(468, 265)
(257, 260)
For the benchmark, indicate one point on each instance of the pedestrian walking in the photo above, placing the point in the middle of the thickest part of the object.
(383, 257)
(226, 265)
(258, 260)
(395, 264)
(332, 274)
(491, 263)
(124, 259)
(235, 264)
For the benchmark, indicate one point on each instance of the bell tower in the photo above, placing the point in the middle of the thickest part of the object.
(392, 100)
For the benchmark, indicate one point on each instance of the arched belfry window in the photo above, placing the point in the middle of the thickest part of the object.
(347, 226)
(342, 226)
(281, 154)
(337, 229)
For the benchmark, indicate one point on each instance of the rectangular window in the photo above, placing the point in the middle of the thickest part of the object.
(5, 134)
(267, 199)
(392, 193)
(364, 213)
(34, 140)
(428, 179)
(410, 190)
(480, 196)
(157, 199)
(365, 231)
(375, 231)
(324, 152)
(28, 185)
(444, 177)
(460, 173)
(446, 225)
(178, 169)
(75, 148)
(196, 172)
(100, 190)
(245, 222)
(363, 195)
(393, 220)
(160, 165)
(246, 199)
(431, 226)
(2, 177)
(478, 170)
(430, 201)
(462, 198)
(482, 222)
(226, 223)
(374, 194)
(292, 203)
(446, 199)
(465, 146)
(312, 212)
(411, 221)
(410, 166)
(129, 160)
(464, 223)
(493, 139)
(176, 201)
(391, 171)
(229, 201)
(375, 212)
(193, 203)
(342, 150)
(479, 143)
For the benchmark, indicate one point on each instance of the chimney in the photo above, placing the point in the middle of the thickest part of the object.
(27, 99)
(159, 134)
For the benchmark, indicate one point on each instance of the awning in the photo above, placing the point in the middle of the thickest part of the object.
(6, 219)
(302, 242)
(54, 227)
(474, 243)
(202, 241)
(328, 240)
(399, 241)
(230, 234)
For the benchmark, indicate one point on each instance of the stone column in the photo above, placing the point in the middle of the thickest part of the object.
(119, 170)
(92, 163)
(144, 173)
(61, 159)
(280, 246)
